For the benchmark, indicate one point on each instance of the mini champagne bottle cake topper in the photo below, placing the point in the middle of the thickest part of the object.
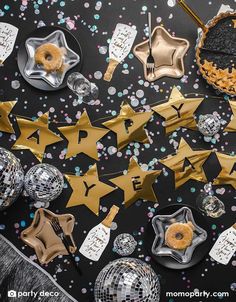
(98, 237)
(119, 47)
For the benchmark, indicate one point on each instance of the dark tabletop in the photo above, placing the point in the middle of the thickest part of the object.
(93, 27)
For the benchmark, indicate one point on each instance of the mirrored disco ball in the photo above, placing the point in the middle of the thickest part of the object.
(124, 244)
(11, 178)
(209, 124)
(127, 280)
(44, 182)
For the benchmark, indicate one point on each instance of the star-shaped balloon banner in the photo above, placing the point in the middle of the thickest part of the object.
(178, 111)
(129, 126)
(5, 109)
(137, 184)
(83, 137)
(35, 135)
(227, 174)
(87, 190)
(187, 164)
(231, 127)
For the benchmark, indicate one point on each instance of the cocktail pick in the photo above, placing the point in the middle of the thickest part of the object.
(8, 34)
(98, 237)
(225, 246)
(119, 47)
(192, 14)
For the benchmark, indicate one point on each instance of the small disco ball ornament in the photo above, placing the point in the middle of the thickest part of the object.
(209, 124)
(11, 178)
(124, 244)
(44, 182)
(127, 279)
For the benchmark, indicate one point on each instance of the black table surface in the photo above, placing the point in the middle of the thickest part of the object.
(93, 28)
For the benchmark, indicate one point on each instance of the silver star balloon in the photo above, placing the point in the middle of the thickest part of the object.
(161, 223)
(36, 71)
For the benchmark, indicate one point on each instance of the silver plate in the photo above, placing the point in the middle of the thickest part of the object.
(160, 224)
(35, 71)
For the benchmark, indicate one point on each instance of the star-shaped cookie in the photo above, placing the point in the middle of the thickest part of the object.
(178, 111)
(87, 190)
(187, 164)
(129, 126)
(40, 128)
(137, 184)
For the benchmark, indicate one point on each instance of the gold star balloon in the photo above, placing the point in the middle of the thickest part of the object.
(178, 111)
(187, 164)
(87, 190)
(129, 126)
(136, 184)
(35, 135)
(231, 127)
(83, 137)
(5, 109)
(227, 174)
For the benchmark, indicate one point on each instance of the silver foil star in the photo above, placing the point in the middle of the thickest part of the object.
(161, 223)
(35, 71)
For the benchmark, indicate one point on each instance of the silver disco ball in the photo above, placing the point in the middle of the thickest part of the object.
(209, 124)
(124, 244)
(44, 182)
(129, 280)
(11, 178)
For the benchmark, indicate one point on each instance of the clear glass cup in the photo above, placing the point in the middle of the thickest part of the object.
(209, 204)
(82, 87)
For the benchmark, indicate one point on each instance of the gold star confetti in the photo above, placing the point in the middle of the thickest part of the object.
(231, 127)
(178, 111)
(5, 109)
(39, 128)
(129, 126)
(234, 21)
(83, 137)
(187, 164)
(87, 190)
(137, 184)
(42, 238)
(228, 170)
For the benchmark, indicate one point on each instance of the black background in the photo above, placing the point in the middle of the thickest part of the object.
(206, 275)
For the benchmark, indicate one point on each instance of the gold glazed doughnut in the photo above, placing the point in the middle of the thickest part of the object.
(49, 56)
(179, 235)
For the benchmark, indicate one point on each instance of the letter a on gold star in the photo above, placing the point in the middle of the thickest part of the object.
(87, 190)
(137, 184)
(39, 128)
(83, 137)
(5, 109)
(178, 111)
(187, 164)
(129, 126)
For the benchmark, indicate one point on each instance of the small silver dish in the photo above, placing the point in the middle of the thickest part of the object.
(33, 70)
(161, 223)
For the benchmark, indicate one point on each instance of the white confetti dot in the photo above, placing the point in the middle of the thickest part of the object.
(140, 93)
(171, 3)
(98, 75)
(111, 90)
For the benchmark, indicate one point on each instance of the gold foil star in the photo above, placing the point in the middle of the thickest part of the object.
(83, 137)
(137, 184)
(228, 170)
(178, 111)
(231, 127)
(39, 128)
(129, 126)
(187, 164)
(5, 109)
(168, 53)
(87, 190)
(42, 238)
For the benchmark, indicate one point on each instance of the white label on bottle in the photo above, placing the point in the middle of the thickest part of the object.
(8, 34)
(225, 246)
